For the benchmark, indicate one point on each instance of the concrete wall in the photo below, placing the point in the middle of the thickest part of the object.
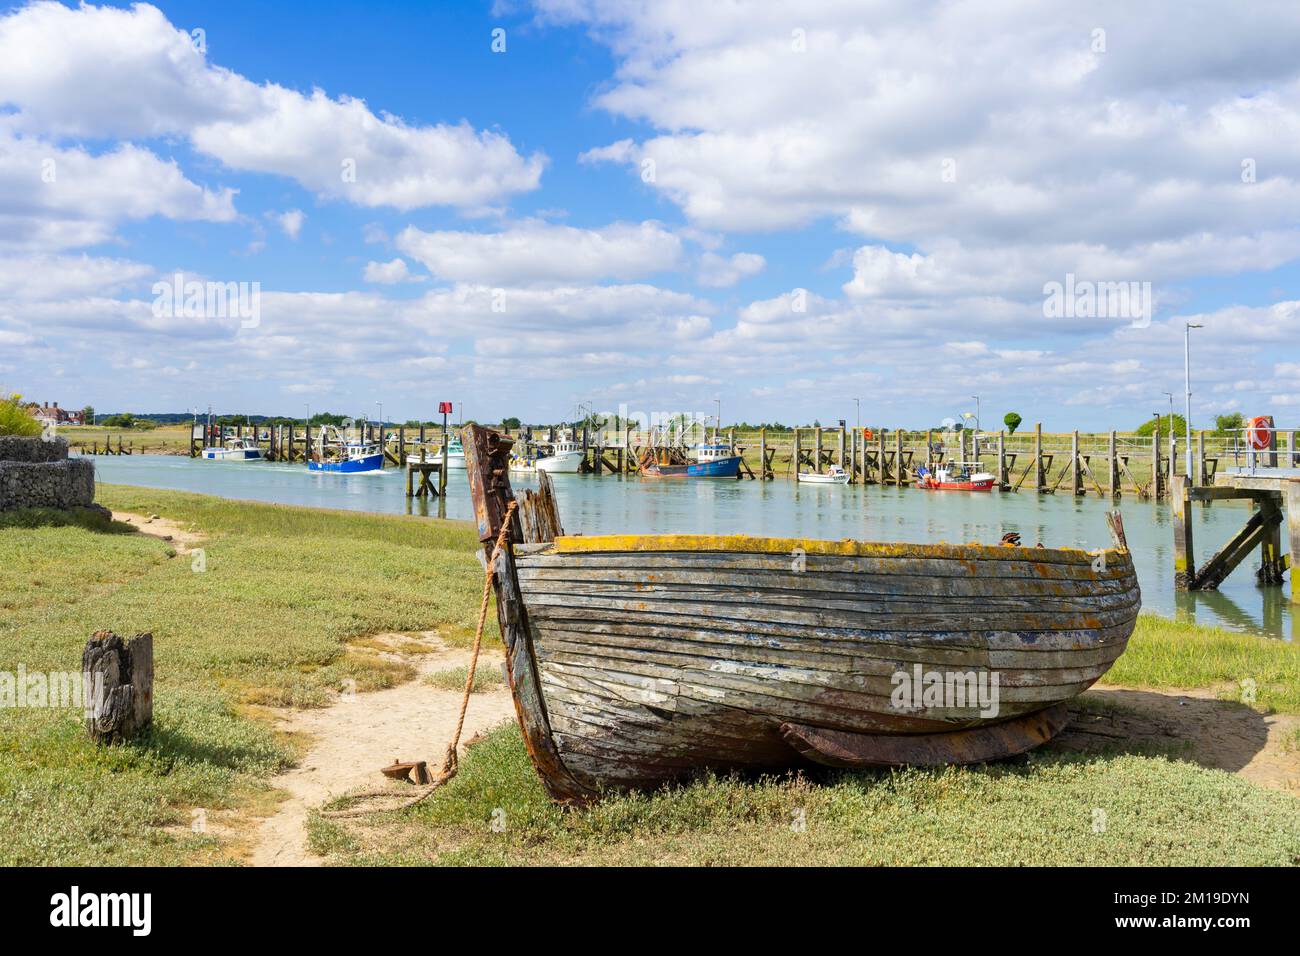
(35, 473)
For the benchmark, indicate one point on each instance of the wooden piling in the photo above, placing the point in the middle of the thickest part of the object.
(1184, 555)
(1039, 478)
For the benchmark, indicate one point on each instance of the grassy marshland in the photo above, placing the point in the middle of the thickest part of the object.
(279, 619)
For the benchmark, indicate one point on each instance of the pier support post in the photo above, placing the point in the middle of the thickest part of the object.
(817, 450)
(1002, 460)
(1076, 477)
(1184, 555)
(880, 459)
(1112, 467)
(898, 457)
(840, 439)
(795, 456)
(1038, 457)
(1155, 463)
(1291, 502)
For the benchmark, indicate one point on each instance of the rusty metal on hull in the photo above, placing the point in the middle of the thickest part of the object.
(637, 660)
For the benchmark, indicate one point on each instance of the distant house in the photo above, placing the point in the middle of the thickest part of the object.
(53, 415)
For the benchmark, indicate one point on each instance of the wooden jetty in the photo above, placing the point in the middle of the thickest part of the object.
(635, 660)
(1270, 482)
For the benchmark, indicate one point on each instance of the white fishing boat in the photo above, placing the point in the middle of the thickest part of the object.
(234, 449)
(565, 458)
(455, 455)
(835, 476)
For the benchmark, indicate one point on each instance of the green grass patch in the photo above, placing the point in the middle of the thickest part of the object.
(487, 676)
(1045, 809)
(1164, 653)
(267, 623)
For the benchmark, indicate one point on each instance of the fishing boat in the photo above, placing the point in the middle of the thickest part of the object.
(711, 460)
(636, 660)
(234, 449)
(961, 476)
(342, 456)
(565, 458)
(455, 455)
(834, 476)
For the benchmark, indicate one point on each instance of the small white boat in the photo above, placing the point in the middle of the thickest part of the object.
(565, 459)
(836, 476)
(455, 455)
(235, 449)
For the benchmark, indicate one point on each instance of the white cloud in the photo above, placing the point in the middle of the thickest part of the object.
(101, 72)
(289, 221)
(534, 251)
(719, 271)
(981, 125)
(387, 273)
(54, 197)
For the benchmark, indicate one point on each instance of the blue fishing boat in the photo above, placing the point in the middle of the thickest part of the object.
(351, 458)
(712, 460)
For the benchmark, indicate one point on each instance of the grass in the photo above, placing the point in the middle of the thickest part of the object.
(1045, 809)
(1164, 654)
(286, 614)
(486, 677)
(269, 621)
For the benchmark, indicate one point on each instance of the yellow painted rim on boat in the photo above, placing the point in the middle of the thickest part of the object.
(585, 544)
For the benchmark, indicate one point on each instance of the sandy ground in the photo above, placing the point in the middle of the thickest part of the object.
(361, 733)
(181, 539)
(1210, 732)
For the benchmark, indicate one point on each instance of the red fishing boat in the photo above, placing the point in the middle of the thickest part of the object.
(959, 476)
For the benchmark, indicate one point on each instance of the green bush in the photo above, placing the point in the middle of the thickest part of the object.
(14, 419)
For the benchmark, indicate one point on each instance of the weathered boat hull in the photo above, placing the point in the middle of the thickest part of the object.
(637, 660)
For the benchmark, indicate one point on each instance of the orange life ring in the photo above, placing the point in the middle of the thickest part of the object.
(868, 434)
(1260, 433)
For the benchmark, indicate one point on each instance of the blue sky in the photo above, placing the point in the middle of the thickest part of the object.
(650, 206)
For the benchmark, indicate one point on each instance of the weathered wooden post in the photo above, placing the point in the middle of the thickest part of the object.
(1180, 501)
(898, 457)
(1112, 467)
(1002, 460)
(883, 472)
(306, 448)
(1155, 462)
(762, 454)
(840, 439)
(817, 450)
(1075, 472)
(117, 681)
(1291, 502)
(795, 455)
(1038, 457)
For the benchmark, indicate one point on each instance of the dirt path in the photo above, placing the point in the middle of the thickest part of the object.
(1213, 733)
(360, 733)
(164, 529)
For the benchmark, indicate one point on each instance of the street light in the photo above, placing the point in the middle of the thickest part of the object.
(381, 420)
(1187, 383)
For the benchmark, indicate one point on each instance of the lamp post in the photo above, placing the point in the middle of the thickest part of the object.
(381, 422)
(717, 428)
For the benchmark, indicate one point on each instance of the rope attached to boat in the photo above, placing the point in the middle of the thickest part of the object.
(450, 763)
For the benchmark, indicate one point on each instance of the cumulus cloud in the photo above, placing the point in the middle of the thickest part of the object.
(290, 222)
(387, 273)
(101, 72)
(54, 197)
(534, 251)
(720, 271)
(981, 127)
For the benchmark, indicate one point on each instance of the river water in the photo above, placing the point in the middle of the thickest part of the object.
(781, 508)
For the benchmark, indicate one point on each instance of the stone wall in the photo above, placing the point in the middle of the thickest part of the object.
(35, 473)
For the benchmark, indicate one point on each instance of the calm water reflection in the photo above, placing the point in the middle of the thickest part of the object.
(607, 504)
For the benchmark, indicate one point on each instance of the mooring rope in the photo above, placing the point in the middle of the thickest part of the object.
(450, 762)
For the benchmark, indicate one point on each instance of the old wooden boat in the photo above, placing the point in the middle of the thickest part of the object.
(636, 660)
